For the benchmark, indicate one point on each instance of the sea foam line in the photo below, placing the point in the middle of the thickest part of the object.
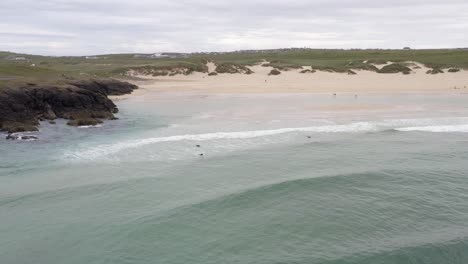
(436, 129)
(109, 149)
(104, 150)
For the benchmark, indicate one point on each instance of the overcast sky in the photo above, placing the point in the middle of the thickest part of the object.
(86, 27)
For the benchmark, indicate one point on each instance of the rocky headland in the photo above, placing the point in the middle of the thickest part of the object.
(82, 102)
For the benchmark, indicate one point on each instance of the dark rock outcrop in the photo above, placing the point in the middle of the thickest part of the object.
(106, 87)
(84, 122)
(22, 106)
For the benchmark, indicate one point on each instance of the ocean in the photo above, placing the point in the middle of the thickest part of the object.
(244, 178)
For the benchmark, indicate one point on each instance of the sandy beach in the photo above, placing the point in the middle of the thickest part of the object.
(292, 81)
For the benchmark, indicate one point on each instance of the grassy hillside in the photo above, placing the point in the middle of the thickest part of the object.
(22, 67)
(431, 58)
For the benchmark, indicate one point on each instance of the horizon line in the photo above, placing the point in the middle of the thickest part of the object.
(237, 51)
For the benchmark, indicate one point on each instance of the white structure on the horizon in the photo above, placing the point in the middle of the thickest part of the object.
(92, 57)
(158, 55)
(154, 55)
(161, 55)
(15, 58)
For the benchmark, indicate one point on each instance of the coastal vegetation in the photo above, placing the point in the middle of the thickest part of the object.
(395, 68)
(163, 70)
(435, 71)
(46, 68)
(232, 68)
(377, 61)
(282, 66)
(274, 72)
(308, 71)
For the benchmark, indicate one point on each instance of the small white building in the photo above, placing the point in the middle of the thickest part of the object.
(16, 58)
(159, 55)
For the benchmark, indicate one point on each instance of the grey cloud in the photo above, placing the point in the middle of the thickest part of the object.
(79, 27)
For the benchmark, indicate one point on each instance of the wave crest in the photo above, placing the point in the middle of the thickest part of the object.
(103, 150)
(435, 129)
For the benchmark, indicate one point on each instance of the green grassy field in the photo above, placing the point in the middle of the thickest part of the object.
(114, 65)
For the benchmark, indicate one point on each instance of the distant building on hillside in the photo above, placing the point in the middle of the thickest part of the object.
(92, 57)
(158, 55)
(161, 55)
(15, 58)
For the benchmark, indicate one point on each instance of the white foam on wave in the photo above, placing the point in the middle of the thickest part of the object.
(436, 129)
(439, 125)
(94, 126)
(422, 122)
(104, 150)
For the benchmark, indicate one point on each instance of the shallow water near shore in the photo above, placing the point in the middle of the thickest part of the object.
(284, 178)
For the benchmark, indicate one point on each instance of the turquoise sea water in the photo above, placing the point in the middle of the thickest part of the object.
(282, 179)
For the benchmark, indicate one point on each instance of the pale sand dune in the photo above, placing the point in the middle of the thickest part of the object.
(294, 82)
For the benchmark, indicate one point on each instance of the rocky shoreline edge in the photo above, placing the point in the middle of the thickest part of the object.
(81, 102)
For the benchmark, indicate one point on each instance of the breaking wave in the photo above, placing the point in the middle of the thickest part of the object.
(396, 125)
(435, 129)
(109, 149)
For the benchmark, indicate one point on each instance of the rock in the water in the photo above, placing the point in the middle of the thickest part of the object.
(84, 122)
(12, 136)
(28, 137)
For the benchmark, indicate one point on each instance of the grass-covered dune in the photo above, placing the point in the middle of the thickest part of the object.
(40, 68)
(341, 58)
